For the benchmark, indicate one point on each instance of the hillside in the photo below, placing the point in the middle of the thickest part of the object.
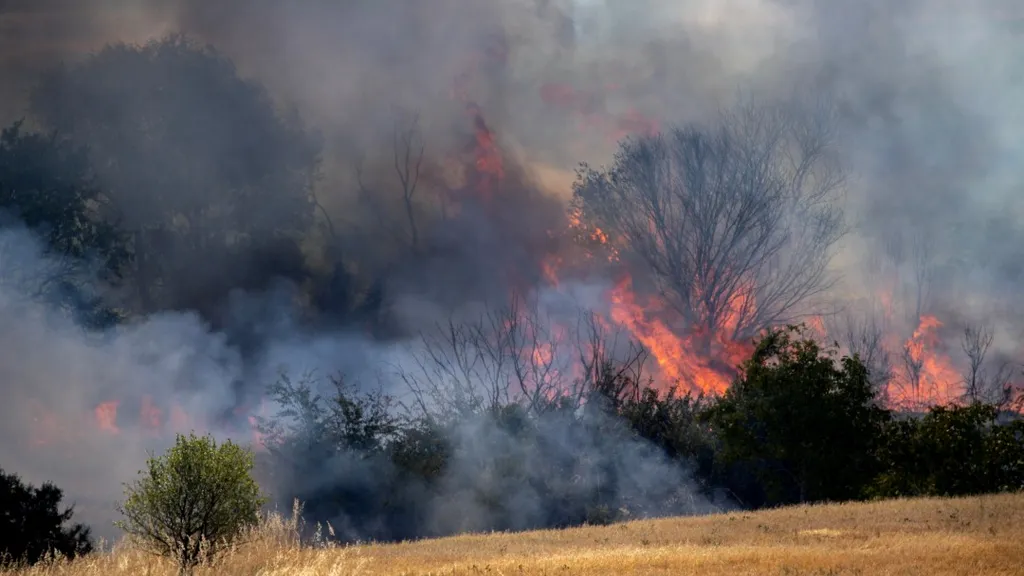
(925, 536)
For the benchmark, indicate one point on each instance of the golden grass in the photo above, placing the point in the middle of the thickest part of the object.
(934, 537)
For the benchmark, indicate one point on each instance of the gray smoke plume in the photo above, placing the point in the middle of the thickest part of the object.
(928, 93)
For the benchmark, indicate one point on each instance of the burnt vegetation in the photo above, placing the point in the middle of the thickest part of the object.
(187, 185)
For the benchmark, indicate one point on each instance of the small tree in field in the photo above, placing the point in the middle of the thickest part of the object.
(193, 501)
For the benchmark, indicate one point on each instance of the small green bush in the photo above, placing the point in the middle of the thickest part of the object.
(193, 501)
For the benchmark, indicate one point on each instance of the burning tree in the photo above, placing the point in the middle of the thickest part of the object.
(734, 220)
(523, 352)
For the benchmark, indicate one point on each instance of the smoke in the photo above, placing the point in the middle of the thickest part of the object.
(928, 92)
(55, 374)
(84, 409)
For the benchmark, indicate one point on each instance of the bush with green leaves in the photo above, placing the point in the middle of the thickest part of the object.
(951, 451)
(806, 423)
(193, 501)
(32, 526)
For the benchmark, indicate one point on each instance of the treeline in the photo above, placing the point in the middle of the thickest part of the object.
(799, 425)
(159, 180)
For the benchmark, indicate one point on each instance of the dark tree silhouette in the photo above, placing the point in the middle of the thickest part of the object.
(213, 183)
(46, 185)
(32, 524)
(807, 421)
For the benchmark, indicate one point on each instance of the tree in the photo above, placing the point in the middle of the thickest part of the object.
(735, 220)
(984, 383)
(212, 182)
(951, 451)
(47, 186)
(32, 525)
(329, 450)
(543, 355)
(193, 501)
(809, 423)
(864, 336)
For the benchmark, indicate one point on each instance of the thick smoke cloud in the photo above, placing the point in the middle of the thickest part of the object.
(928, 91)
(168, 373)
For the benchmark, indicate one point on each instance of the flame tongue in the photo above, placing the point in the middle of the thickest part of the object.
(106, 416)
(929, 377)
(489, 166)
(696, 363)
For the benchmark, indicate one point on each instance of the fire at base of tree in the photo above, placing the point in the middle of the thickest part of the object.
(799, 424)
(482, 354)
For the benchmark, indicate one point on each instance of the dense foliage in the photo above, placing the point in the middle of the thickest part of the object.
(193, 501)
(32, 525)
(47, 186)
(209, 181)
(798, 425)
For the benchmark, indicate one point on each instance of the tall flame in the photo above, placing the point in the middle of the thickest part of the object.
(928, 377)
(106, 416)
(678, 358)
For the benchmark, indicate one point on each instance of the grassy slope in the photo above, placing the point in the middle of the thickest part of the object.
(925, 536)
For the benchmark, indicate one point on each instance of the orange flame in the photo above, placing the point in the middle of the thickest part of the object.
(675, 355)
(930, 377)
(106, 416)
(488, 160)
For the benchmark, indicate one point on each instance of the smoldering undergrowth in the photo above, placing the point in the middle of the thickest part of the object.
(374, 471)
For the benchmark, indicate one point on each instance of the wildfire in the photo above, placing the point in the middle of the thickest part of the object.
(592, 235)
(929, 377)
(689, 358)
(106, 416)
(675, 356)
(488, 162)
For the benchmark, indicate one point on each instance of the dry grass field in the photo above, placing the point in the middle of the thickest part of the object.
(927, 537)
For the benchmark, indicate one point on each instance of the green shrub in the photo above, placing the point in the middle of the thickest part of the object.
(191, 502)
(951, 451)
(806, 423)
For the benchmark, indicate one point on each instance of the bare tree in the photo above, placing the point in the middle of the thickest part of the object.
(735, 221)
(522, 353)
(914, 251)
(408, 151)
(864, 336)
(909, 385)
(982, 384)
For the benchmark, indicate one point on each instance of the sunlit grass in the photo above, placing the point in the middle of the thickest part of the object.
(983, 536)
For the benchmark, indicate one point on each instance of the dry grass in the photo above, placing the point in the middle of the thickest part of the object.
(966, 536)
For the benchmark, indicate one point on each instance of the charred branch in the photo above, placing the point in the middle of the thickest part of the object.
(735, 221)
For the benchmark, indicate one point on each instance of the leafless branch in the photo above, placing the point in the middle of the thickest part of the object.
(865, 337)
(407, 166)
(407, 160)
(736, 221)
(982, 384)
(521, 353)
(909, 385)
